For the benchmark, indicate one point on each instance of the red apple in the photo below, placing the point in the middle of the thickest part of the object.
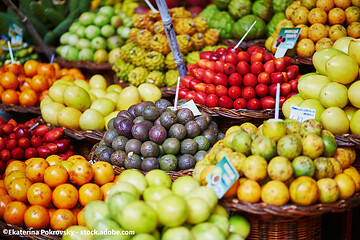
(269, 66)
(215, 57)
(41, 130)
(190, 67)
(281, 101)
(24, 143)
(43, 151)
(292, 72)
(254, 104)
(183, 92)
(190, 95)
(31, 122)
(221, 79)
(210, 65)
(206, 55)
(225, 102)
(219, 66)
(243, 68)
(267, 102)
(53, 148)
(199, 73)
(36, 141)
(5, 155)
(223, 56)
(30, 153)
(11, 144)
(287, 60)
(186, 80)
(294, 84)
(210, 89)
(272, 90)
(193, 83)
(1, 131)
(291, 95)
(229, 68)
(285, 89)
(256, 68)
(276, 77)
(200, 98)
(17, 153)
(63, 145)
(221, 50)
(8, 128)
(256, 57)
(280, 64)
(21, 133)
(243, 56)
(286, 79)
(256, 49)
(268, 56)
(232, 49)
(202, 63)
(240, 103)
(247, 93)
(209, 76)
(2, 143)
(12, 135)
(234, 92)
(195, 10)
(235, 79)
(221, 90)
(212, 100)
(250, 80)
(264, 78)
(231, 58)
(261, 90)
(199, 3)
(2, 121)
(200, 87)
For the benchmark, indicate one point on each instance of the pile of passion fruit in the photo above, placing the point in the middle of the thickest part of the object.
(155, 136)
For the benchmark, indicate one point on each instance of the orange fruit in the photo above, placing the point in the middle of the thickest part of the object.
(103, 172)
(39, 194)
(36, 169)
(232, 190)
(70, 78)
(57, 69)
(14, 213)
(3, 191)
(44, 94)
(54, 159)
(89, 192)
(15, 68)
(80, 218)
(25, 85)
(51, 211)
(39, 83)
(12, 176)
(18, 188)
(21, 79)
(249, 190)
(346, 185)
(75, 72)
(30, 68)
(46, 70)
(28, 98)
(4, 201)
(275, 193)
(81, 172)
(9, 80)
(63, 71)
(1, 90)
(55, 175)
(15, 165)
(10, 96)
(75, 158)
(76, 211)
(2, 183)
(105, 189)
(37, 217)
(62, 219)
(65, 196)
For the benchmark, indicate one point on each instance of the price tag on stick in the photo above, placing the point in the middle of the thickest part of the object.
(222, 177)
(302, 114)
(286, 40)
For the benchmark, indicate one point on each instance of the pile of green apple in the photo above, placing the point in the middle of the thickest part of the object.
(333, 91)
(94, 34)
(87, 105)
(155, 208)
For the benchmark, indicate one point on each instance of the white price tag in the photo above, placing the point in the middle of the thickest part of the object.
(302, 114)
(192, 106)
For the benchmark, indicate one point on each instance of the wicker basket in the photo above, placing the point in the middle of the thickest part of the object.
(348, 140)
(298, 60)
(244, 44)
(35, 236)
(172, 174)
(289, 221)
(19, 109)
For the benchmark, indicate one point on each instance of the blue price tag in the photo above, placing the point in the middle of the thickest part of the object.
(302, 114)
(15, 33)
(286, 40)
(222, 177)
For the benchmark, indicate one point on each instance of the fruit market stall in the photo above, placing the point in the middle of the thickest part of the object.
(215, 120)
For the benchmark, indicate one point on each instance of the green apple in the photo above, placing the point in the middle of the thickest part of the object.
(322, 56)
(83, 84)
(87, 18)
(103, 105)
(92, 119)
(310, 86)
(184, 185)
(335, 120)
(149, 92)
(113, 96)
(354, 48)
(342, 68)
(77, 97)
(135, 178)
(198, 210)
(293, 101)
(107, 31)
(355, 123)
(92, 31)
(56, 92)
(97, 92)
(98, 43)
(69, 117)
(128, 96)
(50, 112)
(97, 81)
(353, 94)
(101, 20)
(342, 44)
(239, 225)
(350, 110)
(114, 88)
(207, 231)
(101, 56)
(334, 95)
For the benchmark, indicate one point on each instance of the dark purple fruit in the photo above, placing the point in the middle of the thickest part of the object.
(124, 128)
(210, 135)
(125, 114)
(118, 158)
(109, 136)
(200, 155)
(177, 131)
(171, 146)
(150, 113)
(117, 121)
(149, 164)
(157, 134)
(202, 122)
(99, 148)
(167, 119)
(119, 143)
(110, 124)
(220, 136)
(138, 119)
(185, 115)
(157, 121)
(133, 145)
(140, 131)
(132, 161)
(192, 129)
(149, 149)
(105, 155)
(131, 110)
(148, 123)
(186, 161)
(168, 162)
(213, 125)
(138, 109)
(162, 105)
(188, 146)
(207, 116)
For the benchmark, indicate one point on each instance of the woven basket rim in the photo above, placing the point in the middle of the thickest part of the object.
(172, 174)
(85, 64)
(18, 108)
(244, 44)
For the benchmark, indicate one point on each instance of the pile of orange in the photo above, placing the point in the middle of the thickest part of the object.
(27, 85)
(51, 193)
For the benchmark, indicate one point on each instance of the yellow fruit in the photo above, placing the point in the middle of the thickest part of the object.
(346, 185)
(304, 191)
(354, 174)
(275, 193)
(249, 190)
